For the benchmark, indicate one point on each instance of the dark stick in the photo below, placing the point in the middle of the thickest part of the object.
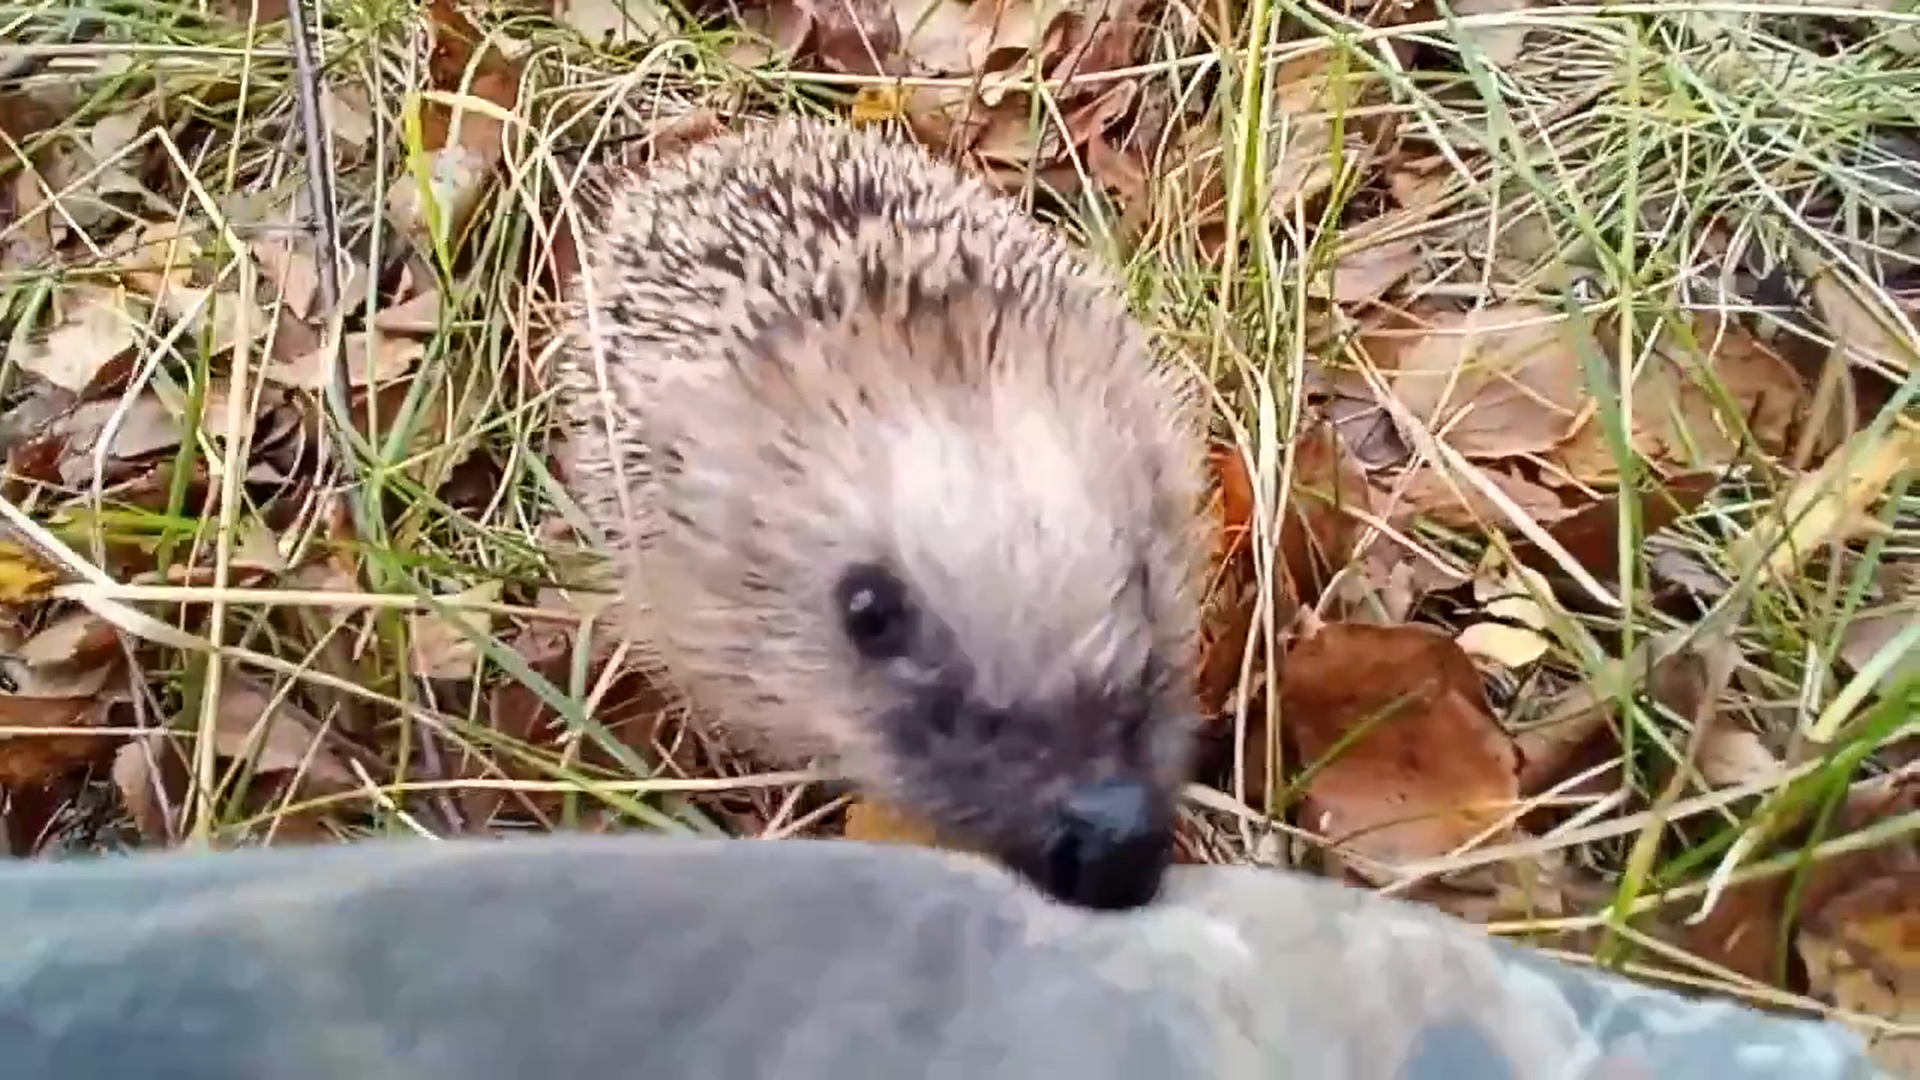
(326, 224)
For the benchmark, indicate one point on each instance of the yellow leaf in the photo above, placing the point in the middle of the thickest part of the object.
(23, 577)
(876, 824)
(878, 104)
(1828, 504)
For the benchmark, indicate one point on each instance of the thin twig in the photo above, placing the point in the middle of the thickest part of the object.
(324, 228)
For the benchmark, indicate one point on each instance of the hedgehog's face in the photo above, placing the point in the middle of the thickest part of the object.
(1068, 775)
(958, 551)
(1003, 602)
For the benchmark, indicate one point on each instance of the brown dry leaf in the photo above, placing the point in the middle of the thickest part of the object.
(416, 315)
(458, 159)
(1496, 382)
(1100, 37)
(77, 170)
(1862, 952)
(24, 578)
(875, 823)
(1433, 769)
(29, 239)
(1861, 334)
(1540, 887)
(948, 38)
(285, 254)
(278, 736)
(456, 177)
(1875, 628)
(1743, 931)
(1362, 275)
(1428, 492)
(1830, 504)
(630, 709)
(244, 11)
(441, 650)
(1730, 755)
(372, 359)
(141, 791)
(1591, 534)
(149, 425)
(216, 314)
(1227, 616)
(347, 114)
(1309, 91)
(1677, 421)
(98, 328)
(853, 37)
(1320, 531)
(776, 31)
(79, 636)
(31, 759)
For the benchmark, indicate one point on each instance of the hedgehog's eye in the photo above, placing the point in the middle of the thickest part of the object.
(875, 612)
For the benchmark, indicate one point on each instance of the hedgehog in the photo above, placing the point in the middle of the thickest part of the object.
(889, 475)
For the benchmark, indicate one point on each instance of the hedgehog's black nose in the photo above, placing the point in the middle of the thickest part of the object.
(1109, 847)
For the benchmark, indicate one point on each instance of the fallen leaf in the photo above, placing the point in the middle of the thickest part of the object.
(372, 359)
(1361, 275)
(247, 11)
(23, 576)
(1539, 887)
(1678, 416)
(162, 259)
(1100, 37)
(1862, 952)
(1496, 44)
(949, 38)
(347, 114)
(873, 823)
(1730, 755)
(142, 792)
(1227, 612)
(1428, 492)
(1321, 530)
(145, 426)
(456, 177)
(216, 316)
(631, 710)
(38, 757)
(29, 240)
(441, 650)
(98, 328)
(618, 21)
(1433, 769)
(1875, 628)
(1592, 534)
(277, 736)
(1514, 633)
(1861, 334)
(1743, 931)
(1495, 382)
(1309, 92)
(1829, 504)
(854, 37)
(75, 637)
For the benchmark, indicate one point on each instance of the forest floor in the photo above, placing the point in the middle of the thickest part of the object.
(1564, 436)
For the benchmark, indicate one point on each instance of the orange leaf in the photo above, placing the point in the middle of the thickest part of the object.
(1432, 768)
